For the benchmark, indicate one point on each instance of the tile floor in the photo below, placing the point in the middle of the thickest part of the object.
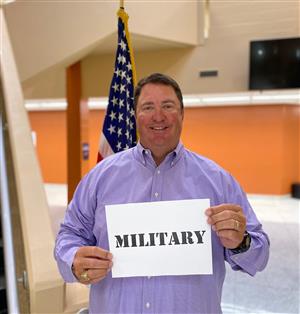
(275, 290)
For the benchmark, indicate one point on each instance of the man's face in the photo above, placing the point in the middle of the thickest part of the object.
(159, 118)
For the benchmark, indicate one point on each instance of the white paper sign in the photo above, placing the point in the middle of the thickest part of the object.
(159, 238)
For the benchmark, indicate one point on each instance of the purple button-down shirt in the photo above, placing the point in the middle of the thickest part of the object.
(132, 176)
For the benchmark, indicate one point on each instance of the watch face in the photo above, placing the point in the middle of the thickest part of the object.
(247, 240)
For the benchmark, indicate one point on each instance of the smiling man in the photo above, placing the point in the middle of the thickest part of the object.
(159, 116)
(159, 168)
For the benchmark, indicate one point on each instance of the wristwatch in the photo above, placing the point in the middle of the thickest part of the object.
(244, 246)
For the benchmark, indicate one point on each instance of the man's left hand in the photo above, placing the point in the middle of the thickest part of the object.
(229, 223)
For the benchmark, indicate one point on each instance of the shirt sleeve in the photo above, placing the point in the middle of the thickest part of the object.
(256, 257)
(76, 229)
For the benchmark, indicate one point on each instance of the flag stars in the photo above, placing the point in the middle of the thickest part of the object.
(121, 103)
(119, 132)
(115, 87)
(123, 75)
(119, 146)
(112, 129)
(120, 118)
(120, 58)
(117, 72)
(122, 45)
(127, 93)
(132, 112)
(127, 134)
(129, 66)
(128, 79)
(114, 101)
(123, 60)
(122, 88)
(112, 116)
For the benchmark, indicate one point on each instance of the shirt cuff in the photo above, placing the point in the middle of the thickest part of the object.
(252, 260)
(240, 261)
(65, 265)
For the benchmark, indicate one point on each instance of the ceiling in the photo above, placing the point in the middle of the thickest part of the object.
(139, 43)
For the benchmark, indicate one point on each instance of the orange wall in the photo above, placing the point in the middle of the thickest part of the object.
(50, 128)
(259, 144)
(51, 131)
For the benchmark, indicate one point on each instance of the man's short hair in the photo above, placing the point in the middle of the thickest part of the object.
(157, 78)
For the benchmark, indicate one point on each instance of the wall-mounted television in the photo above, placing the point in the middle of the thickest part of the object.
(274, 64)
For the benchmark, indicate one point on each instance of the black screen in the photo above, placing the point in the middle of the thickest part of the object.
(275, 64)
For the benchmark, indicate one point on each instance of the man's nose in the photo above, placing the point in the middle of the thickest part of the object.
(158, 115)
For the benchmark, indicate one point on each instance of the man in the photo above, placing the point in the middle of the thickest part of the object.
(159, 168)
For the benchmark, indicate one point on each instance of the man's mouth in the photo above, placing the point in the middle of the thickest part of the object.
(158, 128)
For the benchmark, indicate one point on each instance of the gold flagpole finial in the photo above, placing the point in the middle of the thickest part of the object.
(122, 4)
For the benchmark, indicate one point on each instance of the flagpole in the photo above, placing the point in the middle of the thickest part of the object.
(122, 4)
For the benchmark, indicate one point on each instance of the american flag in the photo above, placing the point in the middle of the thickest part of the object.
(119, 127)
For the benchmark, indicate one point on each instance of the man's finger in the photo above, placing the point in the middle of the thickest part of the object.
(93, 251)
(232, 237)
(223, 207)
(230, 224)
(98, 273)
(96, 279)
(94, 263)
(225, 215)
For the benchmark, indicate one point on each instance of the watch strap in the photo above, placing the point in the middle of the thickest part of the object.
(244, 246)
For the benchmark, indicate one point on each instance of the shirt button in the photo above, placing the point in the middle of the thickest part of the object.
(158, 171)
(156, 194)
(172, 163)
(147, 305)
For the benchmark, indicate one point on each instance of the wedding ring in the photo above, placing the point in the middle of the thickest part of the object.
(84, 276)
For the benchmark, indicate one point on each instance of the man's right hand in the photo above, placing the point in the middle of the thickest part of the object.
(91, 264)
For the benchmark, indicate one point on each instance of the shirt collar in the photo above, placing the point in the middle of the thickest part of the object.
(143, 155)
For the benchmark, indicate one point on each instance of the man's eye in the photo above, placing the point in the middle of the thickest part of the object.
(168, 106)
(147, 108)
